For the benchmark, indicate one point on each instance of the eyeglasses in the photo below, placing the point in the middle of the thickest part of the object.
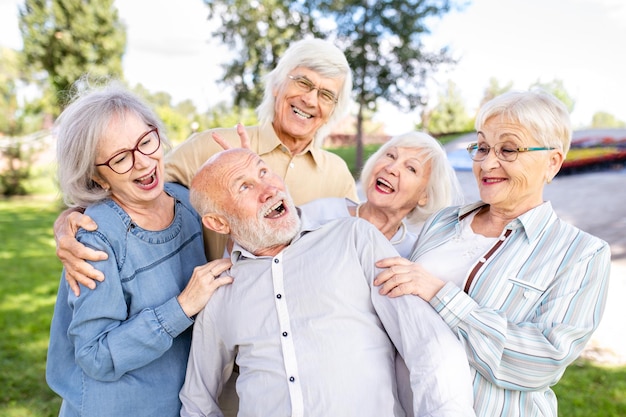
(504, 151)
(305, 85)
(124, 161)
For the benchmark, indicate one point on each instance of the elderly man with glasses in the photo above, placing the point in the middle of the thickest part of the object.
(305, 95)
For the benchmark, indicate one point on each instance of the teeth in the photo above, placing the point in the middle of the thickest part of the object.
(384, 183)
(147, 179)
(301, 113)
(277, 208)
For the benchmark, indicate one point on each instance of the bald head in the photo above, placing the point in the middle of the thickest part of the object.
(209, 187)
(236, 193)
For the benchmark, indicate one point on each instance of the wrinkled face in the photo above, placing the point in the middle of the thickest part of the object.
(258, 208)
(515, 186)
(300, 113)
(144, 182)
(399, 180)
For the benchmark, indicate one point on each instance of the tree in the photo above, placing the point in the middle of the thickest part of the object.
(449, 116)
(557, 88)
(259, 31)
(606, 120)
(494, 89)
(70, 38)
(9, 77)
(381, 40)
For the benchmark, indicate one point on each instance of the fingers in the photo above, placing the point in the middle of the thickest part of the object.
(203, 284)
(77, 220)
(389, 262)
(218, 266)
(220, 141)
(243, 136)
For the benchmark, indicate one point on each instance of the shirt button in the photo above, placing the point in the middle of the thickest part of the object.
(276, 261)
(279, 296)
(527, 294)
(291, 165)
(291, 379)
(285, 334)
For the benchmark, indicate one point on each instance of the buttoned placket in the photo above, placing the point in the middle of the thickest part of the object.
(286, 340)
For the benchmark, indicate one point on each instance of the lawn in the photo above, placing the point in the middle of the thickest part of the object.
(29, 278)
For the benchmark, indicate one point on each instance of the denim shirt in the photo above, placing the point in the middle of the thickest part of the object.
(121, 349)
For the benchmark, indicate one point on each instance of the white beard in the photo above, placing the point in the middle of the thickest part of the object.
(260, 233)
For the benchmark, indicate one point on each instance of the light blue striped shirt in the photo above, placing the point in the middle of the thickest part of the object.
(529, 309)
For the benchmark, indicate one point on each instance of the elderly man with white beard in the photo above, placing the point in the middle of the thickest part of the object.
(310, 332)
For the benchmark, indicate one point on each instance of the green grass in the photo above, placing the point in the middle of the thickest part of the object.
(588, 390)
(29, 276)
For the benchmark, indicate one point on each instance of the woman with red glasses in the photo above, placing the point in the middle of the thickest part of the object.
(121, 349)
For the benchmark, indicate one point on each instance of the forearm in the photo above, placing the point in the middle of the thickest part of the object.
(125, 345)
(530, 353)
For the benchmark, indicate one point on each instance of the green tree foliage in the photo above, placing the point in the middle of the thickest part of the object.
(69, 38)
(494, 89)
(557, 88)
(604, 120)
(450, 115)
(381, 39)
(259, 32)
(9, 79)
(383, 43)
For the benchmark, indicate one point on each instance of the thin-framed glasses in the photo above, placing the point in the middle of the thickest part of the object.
(504, 151)
(124, 161)
(306, 86)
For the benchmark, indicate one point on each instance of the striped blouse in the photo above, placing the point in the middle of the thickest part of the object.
(527, 309)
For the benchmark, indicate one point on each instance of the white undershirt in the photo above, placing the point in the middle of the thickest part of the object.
(453, 260)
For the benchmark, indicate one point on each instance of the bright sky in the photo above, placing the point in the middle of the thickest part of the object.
(521, 41)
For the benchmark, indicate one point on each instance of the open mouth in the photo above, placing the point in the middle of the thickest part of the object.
(275, 211)
(147, 180)
(300, 113)
(384, 186)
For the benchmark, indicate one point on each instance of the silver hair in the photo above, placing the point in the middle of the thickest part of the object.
(317, 55)
(443, 188)
(78, 130)
(544, 116)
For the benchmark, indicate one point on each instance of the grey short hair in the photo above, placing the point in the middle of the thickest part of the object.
(443, 188)
(78, 130)
(317, 55)
(543, 115)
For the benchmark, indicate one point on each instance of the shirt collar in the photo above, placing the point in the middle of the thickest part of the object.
(268, 145)
(307, 225)
(533, 222)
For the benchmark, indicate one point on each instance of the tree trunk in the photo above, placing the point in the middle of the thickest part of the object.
(358, 160)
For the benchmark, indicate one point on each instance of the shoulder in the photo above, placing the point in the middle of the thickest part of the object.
(112, 223)
(326, 158)
(323, 210)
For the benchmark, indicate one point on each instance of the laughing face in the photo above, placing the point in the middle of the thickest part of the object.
(300, 113)
(399, 180)
(257, 208)
(143, 183)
